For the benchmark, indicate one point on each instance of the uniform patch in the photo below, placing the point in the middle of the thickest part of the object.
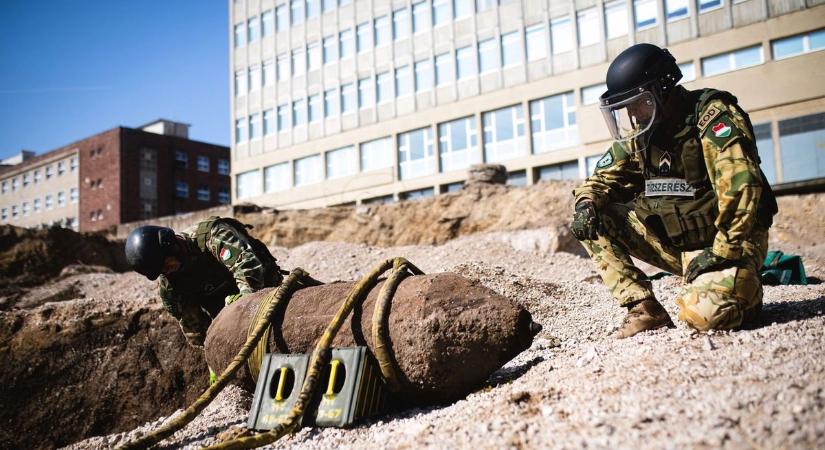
(664, 163)
(658, 187)
(721, 130)
(605, 161)
(226, 254)
(709, 114)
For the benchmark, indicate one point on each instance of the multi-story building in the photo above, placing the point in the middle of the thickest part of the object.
(120, 175)
(341, 101)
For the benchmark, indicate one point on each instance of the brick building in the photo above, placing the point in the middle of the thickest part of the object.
(119, 175)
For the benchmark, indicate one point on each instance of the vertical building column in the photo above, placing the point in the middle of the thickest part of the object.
(631, 23)
(777, 151)
(479, 156)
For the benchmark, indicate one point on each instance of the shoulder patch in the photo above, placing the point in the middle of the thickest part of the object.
(605, 161)
(721, 131)
(707, 116)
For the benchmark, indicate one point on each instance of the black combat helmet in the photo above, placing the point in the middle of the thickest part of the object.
(147, 247)
(638, 83)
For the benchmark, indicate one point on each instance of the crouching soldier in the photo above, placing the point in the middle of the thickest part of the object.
(201, 269)
(679, 188)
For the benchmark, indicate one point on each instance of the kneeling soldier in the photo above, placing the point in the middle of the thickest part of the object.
(679, 188)
(201, 269)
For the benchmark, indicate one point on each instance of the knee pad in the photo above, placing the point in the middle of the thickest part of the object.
(720, 300)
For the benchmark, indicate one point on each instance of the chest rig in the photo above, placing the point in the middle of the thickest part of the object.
(679, 203)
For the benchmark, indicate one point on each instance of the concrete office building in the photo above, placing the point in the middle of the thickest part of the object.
(346, 101)
(120, 175)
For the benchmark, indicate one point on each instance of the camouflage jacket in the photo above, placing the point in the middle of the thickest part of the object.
(699, 184)
(219, 259)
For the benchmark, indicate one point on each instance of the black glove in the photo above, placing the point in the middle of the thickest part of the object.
(706, 261)
(586, 223)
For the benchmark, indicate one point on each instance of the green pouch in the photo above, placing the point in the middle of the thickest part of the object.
(782, 269)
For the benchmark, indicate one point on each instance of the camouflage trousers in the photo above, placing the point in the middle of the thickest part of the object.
(723, 299)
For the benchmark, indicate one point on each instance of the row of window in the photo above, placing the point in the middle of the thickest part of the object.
(202, 163)
(202, 193)
(66, 222)
(36, 175)
(35, 206)
(552, 125)
(424, 14)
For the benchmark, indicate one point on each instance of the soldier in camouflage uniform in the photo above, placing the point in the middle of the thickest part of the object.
(202, 268)
(681, 189)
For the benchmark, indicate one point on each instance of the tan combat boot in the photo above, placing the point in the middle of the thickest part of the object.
(642, 316)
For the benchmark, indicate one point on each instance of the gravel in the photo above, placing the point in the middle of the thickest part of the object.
(576, 386)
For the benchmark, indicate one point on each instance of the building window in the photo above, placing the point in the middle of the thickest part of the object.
(5, 187)
(676, 9)
(645, 11)
(564, 171)
(14, 211)
(240, 35)
(466, 62)
(181, 159)
(561, 33)
(248, 184)
(276, 177)
(382, 200)
(366, 93)
(331, 103)
(801, 141)
(73, 195)
(688, 70)
(383, 32)
(47, 201)
(591, 94)
(376, 154)
(283, 67)
(25, 209)
(403, 81)
(15, 183)
(511, 49)
(314, 60)
(299, 112)
(72, 167)
(181, 189)
(61, 198)
(283, 117)
(203, 193)
(308, 170)
(553, 123)
(588, 27)
(254, 78)
(363, 37)
(504, 134)
(313, 9)
(269, 122)
(252, 29)
(26, 179)
(203, 163)
(328, 5)
(297, 8)
(415, 153)
(444, 71)
(255, 126)
(347, 41)
(463, 8)
(49, 172)
(764, 144)
(281, 18)
(4, 214)
(349, 100)
(223, 166)
(517, 178)
(536, 43)
(240, 83)
(487, 56)
(36, 205)
(420, 18)
(709, 5)
(341, 162)
(330, 49)
(417, 194)
(315, 107)
(401, 24)
(483, 5)
(441, 12)
(223, 195)
(61, 167)
(423, 75)
(240, 130)
(384, 87)
(457, 144)
(299, 61)
(799, 44)
(267, 23)
(726, 62)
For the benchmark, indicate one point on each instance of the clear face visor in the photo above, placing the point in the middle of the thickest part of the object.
(631, 118)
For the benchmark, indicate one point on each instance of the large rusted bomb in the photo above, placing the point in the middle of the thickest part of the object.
(446, 333)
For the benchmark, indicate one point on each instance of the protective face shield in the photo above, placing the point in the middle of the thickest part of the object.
(631, 120)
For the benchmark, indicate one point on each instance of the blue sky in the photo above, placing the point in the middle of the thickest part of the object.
(71, 69)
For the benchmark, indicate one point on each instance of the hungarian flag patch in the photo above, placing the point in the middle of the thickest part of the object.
(721, 130)
(226, 254)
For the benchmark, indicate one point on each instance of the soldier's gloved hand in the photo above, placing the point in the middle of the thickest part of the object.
(586, 223)
(707, 261)
(231, 298)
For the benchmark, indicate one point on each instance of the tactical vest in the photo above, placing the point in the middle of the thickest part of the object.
(687, 223)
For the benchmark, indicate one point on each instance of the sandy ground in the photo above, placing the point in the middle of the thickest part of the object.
(576, 386)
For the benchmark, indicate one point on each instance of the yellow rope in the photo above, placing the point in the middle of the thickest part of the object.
(288, 286)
